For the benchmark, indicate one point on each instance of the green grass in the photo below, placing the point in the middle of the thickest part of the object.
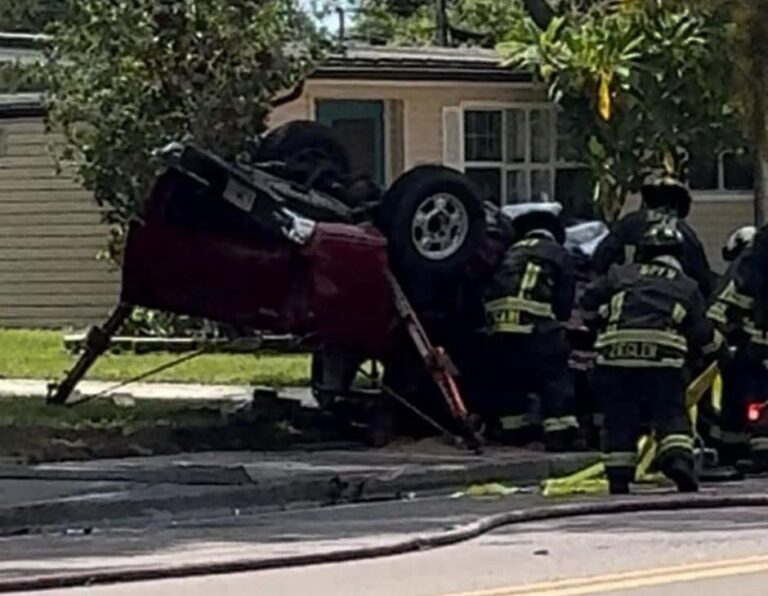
(41, 355)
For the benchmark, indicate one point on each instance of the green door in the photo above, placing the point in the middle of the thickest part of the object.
(359, 125)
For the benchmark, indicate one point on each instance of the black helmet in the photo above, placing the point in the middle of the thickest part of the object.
(529, 217)
(661, 239)
(667, 193)
(547, 222)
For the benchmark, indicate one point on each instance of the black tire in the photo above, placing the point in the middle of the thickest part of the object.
(401, 204)
(304, 141)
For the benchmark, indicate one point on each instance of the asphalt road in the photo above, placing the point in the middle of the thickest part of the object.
(714, 552)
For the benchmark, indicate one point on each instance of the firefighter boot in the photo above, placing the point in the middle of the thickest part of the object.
(619, 480)
(680, 470)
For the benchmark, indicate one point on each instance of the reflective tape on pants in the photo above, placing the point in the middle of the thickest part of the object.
(620, 459)
(515, 422)
(682, 442)
(558, 424)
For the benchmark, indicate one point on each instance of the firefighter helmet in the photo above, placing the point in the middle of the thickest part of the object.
(667, 193)
(529, 217)
(738, 241)
(661, 239)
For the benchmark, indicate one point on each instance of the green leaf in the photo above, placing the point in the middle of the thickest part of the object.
(669, 67)
(596, 148)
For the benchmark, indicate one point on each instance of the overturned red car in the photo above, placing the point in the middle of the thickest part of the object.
(287, 239)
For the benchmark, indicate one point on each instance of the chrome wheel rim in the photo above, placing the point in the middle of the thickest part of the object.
(440, 226)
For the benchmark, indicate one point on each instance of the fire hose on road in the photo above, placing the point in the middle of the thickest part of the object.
(413, 544)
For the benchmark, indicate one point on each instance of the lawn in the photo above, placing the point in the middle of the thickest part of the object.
(41, 355)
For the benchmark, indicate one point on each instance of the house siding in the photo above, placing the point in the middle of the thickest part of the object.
(422, 108)
(50, 233)
(714, 220)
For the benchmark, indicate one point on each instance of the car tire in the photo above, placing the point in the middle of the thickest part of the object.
(434, 220)
(304, 141)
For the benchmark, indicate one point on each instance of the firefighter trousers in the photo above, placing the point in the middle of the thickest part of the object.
(525, 364)
(634, 397)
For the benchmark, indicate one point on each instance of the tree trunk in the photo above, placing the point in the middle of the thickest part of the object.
(541, 12)
(761, 184)
(442, 23)
(760, 128)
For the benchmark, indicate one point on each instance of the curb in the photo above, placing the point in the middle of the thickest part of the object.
(417, 543)
(319, 489)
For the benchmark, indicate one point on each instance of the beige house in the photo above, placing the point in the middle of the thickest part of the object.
(394, 108)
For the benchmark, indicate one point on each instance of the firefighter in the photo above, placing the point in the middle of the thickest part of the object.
(723, 424)
(527, 302)
(661, 198)
(738, 310)
(651, 317)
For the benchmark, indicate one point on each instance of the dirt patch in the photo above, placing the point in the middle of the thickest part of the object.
(32, 431)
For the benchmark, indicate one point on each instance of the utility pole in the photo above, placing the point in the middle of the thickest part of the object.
(342, 33)
(442, 23)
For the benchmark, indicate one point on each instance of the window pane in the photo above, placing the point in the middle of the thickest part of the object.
(567, 149)
(541, 185)
(489, 181)
(573, 190)
(515, 136)
(702, 174)
(517, 187)
(482, 134)
(739, 169)
(541, 136)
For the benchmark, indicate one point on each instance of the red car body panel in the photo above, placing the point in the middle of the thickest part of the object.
(351, 298)
(334, 288)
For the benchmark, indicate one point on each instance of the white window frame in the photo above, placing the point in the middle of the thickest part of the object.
(721, 193)
(551, 166)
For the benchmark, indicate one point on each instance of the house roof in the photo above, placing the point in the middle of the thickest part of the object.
(374, 63)
(418, 64)
(21, 105)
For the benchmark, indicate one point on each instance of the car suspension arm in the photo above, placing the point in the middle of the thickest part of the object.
(439, 365)
(96, 343)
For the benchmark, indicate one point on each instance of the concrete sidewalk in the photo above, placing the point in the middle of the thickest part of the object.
(187, 391)
(51, 494)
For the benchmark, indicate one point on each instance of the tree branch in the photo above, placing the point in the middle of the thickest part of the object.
(292, 95)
